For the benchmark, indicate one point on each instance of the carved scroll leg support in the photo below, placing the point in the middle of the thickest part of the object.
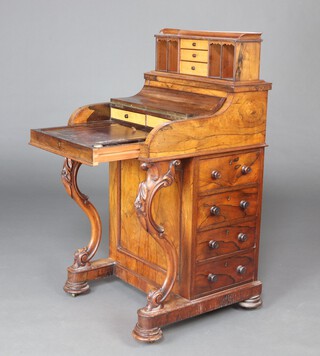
(143, 204)
(78, 272)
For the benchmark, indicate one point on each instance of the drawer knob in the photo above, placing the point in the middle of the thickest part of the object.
(244, 204)
(212, 277)
(215, 210)
(215, 175)
(242, 237)
(194, 44)
(246, 170)
(126, 116)
(193, 68)
(213, 244)
(194, 55)
(241, 269)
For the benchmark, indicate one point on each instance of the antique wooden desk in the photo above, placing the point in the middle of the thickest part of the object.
(186, 165)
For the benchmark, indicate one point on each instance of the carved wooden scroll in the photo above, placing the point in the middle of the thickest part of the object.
(83, 255)
(143, 205)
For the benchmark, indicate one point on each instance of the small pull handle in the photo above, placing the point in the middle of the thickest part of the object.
(245, 170)
(244, 204)
(215, 175)
(212, 277)
(194, 55)
(242, 237)
(215, 210)
(213, 244)
(241, 269)
(194, 44)
(193, 67)
(126, 116)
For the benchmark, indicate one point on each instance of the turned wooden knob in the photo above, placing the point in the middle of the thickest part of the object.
(193, 68)
(215, 175)
(244, 204)
(194, 55)
(246, 170)
(212, 277)
(215, 210)
(213, 244)
(241, 269)
(126, 116)
(242, 237)
(194, 44)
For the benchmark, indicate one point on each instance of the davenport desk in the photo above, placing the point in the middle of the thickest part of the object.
(186, 167)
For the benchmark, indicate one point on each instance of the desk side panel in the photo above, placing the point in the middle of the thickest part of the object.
(141, 261)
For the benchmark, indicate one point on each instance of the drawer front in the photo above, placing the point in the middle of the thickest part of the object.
(227, 206)
(193, 68)
(128, 116)
(194, 55)
(194, 44)
(224, 273)
(153, 121)
(225, 240)
(227, 171)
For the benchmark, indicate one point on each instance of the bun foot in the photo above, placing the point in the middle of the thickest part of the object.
(76, 288)
(251, 303)
(147, 335)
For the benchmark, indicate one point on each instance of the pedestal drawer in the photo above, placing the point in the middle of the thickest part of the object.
(227, 171)
(224, 273)
(227, 206)
(225, 240)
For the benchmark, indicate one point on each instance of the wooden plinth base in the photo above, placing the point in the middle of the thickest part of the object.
(177, 308)
(77, 282)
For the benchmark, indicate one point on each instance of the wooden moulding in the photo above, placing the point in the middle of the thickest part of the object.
(178, 308)
(252, 36)
(199, 82)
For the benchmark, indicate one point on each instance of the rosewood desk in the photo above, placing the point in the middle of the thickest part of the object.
(185, 161)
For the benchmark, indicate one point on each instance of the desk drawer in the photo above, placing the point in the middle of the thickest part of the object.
(194, 44)
(225, 240)
(194, 55)
(227, 206)
(128, 116)
(153, 121)
(193, 68)
(224, 273)
(227, 171)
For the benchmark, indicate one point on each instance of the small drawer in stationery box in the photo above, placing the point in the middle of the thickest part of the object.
(194, 44)
(194, 55)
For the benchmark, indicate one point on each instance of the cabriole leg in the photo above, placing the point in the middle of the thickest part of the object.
(77, 282)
